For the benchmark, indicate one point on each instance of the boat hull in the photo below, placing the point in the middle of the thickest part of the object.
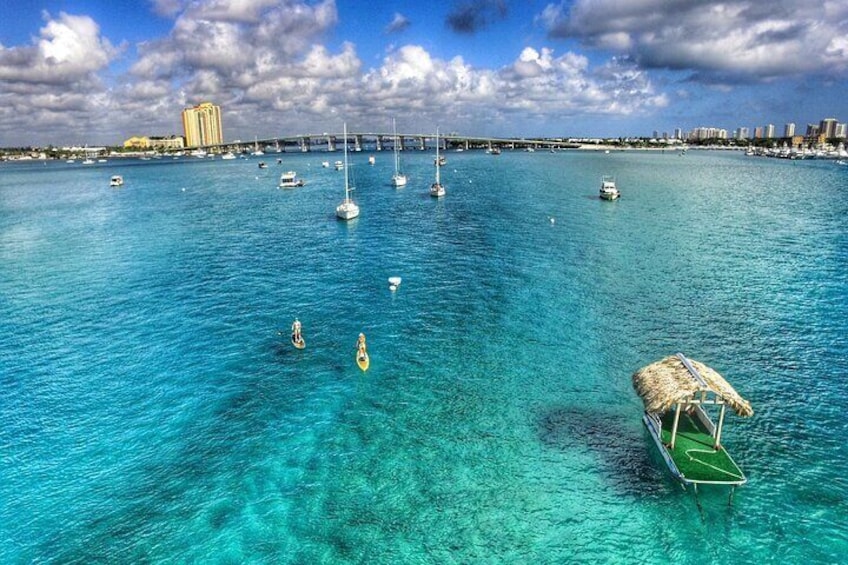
(363, 361)
(347, 212)
(693, 459)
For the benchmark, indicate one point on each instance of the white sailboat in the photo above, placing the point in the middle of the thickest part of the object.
(348, 209)
(437, 190)
(398, 179)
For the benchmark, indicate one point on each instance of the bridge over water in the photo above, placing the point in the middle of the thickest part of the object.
(376, 141)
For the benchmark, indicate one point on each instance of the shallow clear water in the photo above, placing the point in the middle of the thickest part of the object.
(153, 412)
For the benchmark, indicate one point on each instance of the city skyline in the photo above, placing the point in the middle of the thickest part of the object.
(94, 72)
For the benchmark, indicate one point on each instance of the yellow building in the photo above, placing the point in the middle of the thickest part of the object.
(137, 142)
(152, 142)
(202, 125)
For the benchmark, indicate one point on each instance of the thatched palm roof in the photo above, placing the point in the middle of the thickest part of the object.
(667, 382)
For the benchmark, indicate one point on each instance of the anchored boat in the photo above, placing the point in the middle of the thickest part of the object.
(437, 189)
(398, 179)
(348, 209)
(679, 396)
(289, 179)
(608, 189)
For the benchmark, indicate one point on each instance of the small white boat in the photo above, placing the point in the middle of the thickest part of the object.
(608, 189)
(325, 164)
(348, 209)
(394, 283)
(339, 165)
(437, 190)
(116, 180)
(229, 155)
(262, 165)
(371, 160)
(289, 180)
(88, 162)
(398, 179)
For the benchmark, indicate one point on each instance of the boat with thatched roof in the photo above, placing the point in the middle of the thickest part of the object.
(679, 394)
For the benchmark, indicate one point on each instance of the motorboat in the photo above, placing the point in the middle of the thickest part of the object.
(289, 180)
(116, 180)
(262, 165)
(229, 155)
(348, 209)
(339, 165)
(608, 189)
(394, 283)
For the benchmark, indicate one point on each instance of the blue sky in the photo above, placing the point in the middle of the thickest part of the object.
(97, 72)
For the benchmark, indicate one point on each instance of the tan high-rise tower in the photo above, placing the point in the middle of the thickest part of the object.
(202, 125)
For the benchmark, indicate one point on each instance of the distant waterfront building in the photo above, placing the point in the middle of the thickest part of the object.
(758, 132)
(202, 125)
(707, 133)
(841, 131)
(769, 132)
(789, 130)
(740, 133)
(678, 133)
(153, 142)
(827, 128)
(812, 130)
(137, 142)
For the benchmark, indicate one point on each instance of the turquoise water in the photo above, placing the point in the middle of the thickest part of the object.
(153, 412)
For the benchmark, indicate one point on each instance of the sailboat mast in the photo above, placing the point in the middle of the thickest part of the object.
(397, 159)
(437, 157)
(347, 188)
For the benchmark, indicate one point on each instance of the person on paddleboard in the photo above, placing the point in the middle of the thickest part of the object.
(360, 344)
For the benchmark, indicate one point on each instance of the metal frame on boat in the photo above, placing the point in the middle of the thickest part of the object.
(677, 392)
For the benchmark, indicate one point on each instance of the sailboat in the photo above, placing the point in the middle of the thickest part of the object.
(398, 179)
(348, 209)
(256, 151)
(436, 189)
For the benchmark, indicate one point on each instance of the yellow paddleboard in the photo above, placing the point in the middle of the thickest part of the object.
(362, 360)
(298, 344)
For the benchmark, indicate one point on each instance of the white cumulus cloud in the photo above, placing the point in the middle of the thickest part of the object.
(735, 40)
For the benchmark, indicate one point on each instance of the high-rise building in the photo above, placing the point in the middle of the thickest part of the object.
(202, 125)
(827, 128)
(758, 132)
(841, 131)
(742, 133)
(789, 130)
(769, 132)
